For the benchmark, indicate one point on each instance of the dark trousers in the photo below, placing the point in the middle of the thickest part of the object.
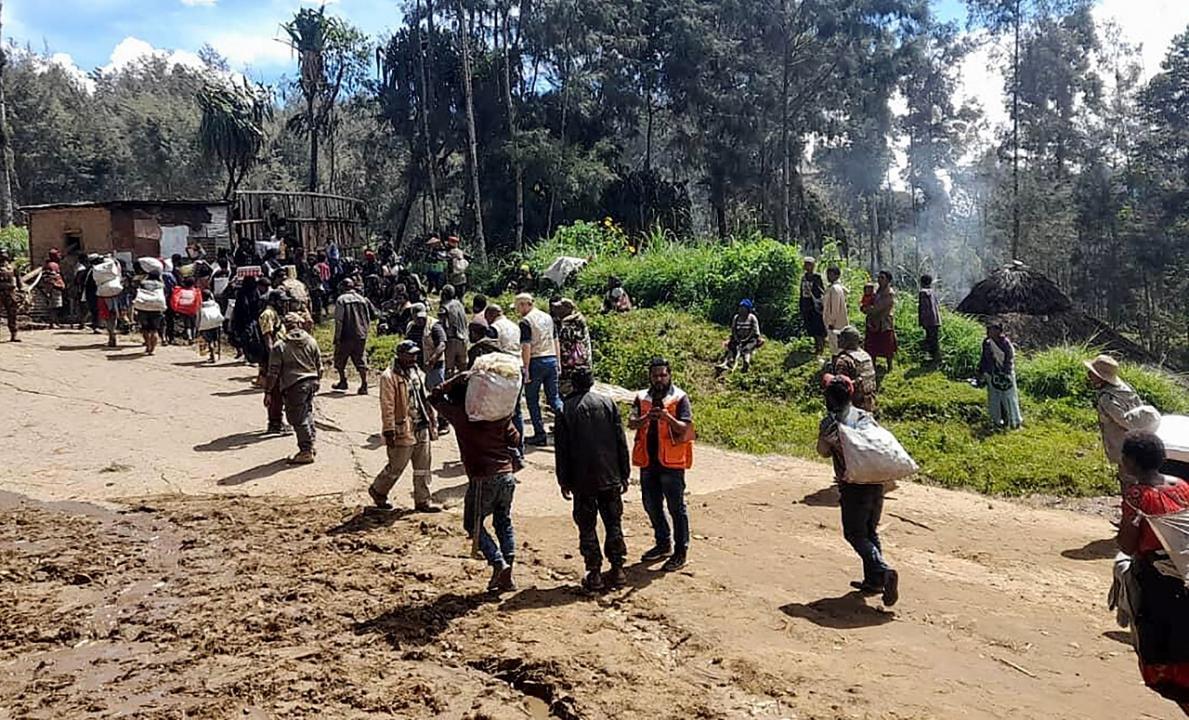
(588, 508)
(659, 488)
(862, 506)
(8, 303)
(299, 409)
(933, 341)
(491, 496)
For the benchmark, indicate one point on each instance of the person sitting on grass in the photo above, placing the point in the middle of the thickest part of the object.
(862, 505)
(745, 338)
(617, 299)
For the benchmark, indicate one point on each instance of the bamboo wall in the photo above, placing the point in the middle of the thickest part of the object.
(314, 219)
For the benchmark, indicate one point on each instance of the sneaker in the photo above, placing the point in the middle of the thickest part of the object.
(616, 577)
(380, 501)
(538, 441)
(305, 457)
(593, 582)
(676, 562)
(660, 552)
(427, 507)
(362, 390)
(891, 588)
(339, 386)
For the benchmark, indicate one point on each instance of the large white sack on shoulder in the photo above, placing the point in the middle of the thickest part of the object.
(209, 316)
(493, 388)
(1174, 431)
(110, 288)
(151, 265)
(149, 300)
(873, 455)
(105, 271)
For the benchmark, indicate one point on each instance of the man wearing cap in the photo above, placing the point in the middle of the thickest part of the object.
(812, 293)
(538, 353)
(664, 449)
(10, 286)
(1120, 409)
(409, 425)
(862, 505)
(855, 364)
(593, 469)
(353, 315)
(295, 366)
(744, 340)
(453, 318)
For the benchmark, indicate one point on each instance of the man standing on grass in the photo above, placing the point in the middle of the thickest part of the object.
(10, 285)
(352, 323)
(862, 505)
(295, 366)
(409, 427)
(663, 420)
(812, 292)
(489, 455)
(453, 317)
(593, 468)
(538, 352)
(929, 317)
(834, 311)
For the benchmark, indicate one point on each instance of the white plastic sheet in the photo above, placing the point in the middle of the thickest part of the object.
(1174, 431)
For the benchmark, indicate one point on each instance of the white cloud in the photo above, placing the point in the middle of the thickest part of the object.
(66, 62)
(1152, 24)
(200, 3)
(131, 49)
(255, 49)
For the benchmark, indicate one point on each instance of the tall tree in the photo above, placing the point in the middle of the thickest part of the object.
(233, 118)
(5, 139)
(466, 28)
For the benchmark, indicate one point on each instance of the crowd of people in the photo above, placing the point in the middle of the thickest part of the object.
(266, 306)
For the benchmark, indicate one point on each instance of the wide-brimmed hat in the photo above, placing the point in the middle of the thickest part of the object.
(1105, 368)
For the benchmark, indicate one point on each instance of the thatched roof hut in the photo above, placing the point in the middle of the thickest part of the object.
(1018, 289)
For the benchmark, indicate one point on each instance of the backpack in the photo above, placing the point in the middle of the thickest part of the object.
(186, 301)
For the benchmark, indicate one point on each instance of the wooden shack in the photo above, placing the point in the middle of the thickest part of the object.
(308, 220)
(127, 228)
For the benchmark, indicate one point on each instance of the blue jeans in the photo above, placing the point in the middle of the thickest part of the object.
(661, 487)
(862, 506)
(542, 371)
(491, 496)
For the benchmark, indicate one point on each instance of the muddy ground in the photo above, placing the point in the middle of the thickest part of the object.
(158, 560)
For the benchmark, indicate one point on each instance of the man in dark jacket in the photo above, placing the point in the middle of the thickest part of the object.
(593, 468)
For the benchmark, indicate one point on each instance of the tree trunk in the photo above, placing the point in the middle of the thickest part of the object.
(5, 140)
(312, 185)
(782, 228)
(425, 107)
(1015, 140)
(407, 206)
(510, 107)
(464, 36)
(876, 252)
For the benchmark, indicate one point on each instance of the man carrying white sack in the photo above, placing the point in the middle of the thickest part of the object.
(409, 427)
(862, 504)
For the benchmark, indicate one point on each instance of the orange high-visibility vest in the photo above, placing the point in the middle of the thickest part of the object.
(676, 453)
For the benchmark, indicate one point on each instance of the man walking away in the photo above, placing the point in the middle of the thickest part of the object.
(352, 322)
(664, 449)
(538, 352)
(478, 308)
(506, 331)
(812, 292)
(593, 468)
(929, 316)
(409, 427)
(862, 505)
(482, 342)
(834, 312)
(10, 286)
(453, 317)
(428, 333)
(488, 450)
(295, 366)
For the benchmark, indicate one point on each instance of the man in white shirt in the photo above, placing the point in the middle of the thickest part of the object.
(538, 351)
(834, 308)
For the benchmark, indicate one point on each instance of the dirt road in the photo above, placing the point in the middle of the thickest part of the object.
(158, 559)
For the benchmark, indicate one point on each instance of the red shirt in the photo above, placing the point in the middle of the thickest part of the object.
(323, 271)
(1149, 500)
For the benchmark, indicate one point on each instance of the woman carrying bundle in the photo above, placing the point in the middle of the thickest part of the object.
(1147, 533)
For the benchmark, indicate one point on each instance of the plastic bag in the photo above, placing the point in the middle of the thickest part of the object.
(186, 301)
(1174, 431)
(493, 388)
(149, 300)
(151, 265)
(105, 271)
(209, 316)
(110, 288)
(872, 453)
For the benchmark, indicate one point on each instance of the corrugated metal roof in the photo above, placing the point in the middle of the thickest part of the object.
(121, 203)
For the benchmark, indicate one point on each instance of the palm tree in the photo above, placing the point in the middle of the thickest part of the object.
(232, 128)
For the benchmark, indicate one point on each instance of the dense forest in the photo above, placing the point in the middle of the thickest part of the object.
(814, 122)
